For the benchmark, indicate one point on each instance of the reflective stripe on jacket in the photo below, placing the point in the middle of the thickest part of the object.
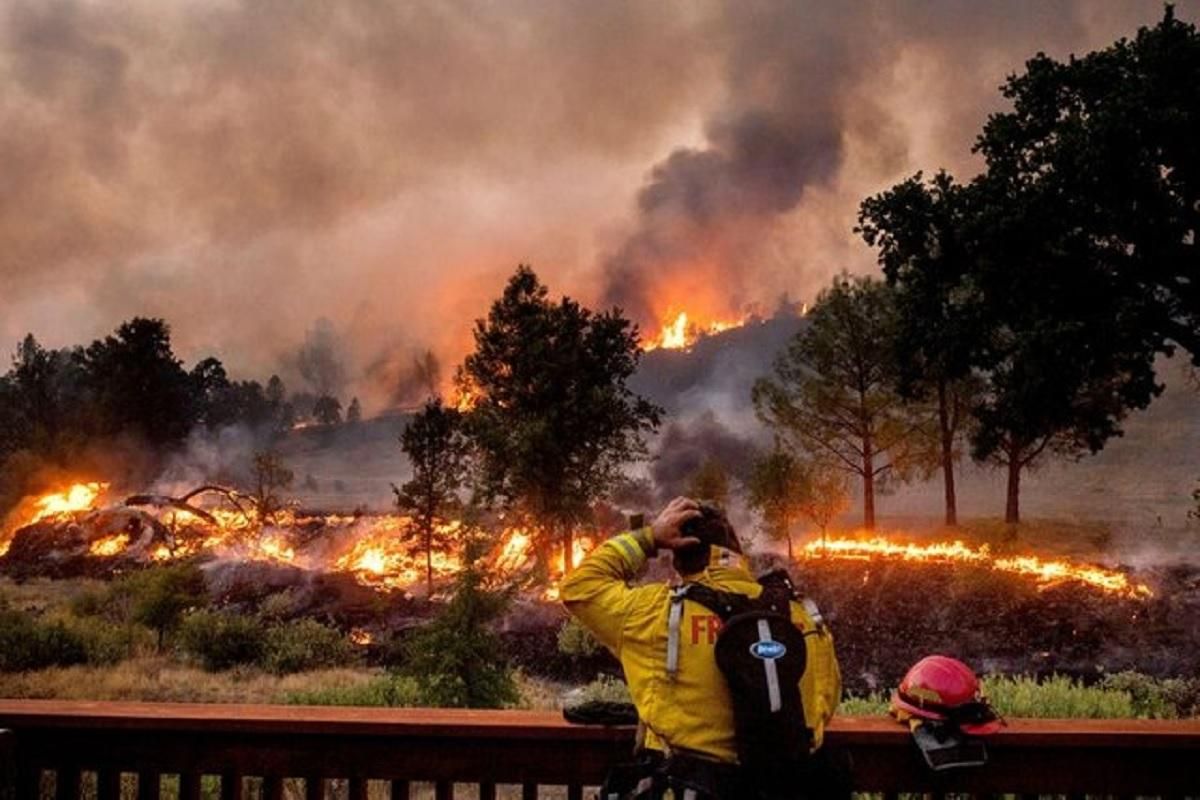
(693, 711)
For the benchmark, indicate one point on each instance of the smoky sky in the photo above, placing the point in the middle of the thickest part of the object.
(245, 169)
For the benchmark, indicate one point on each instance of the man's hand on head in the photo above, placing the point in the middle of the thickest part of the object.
(668, 527)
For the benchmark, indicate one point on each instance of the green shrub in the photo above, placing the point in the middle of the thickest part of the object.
(1155, 697)
(386, 690)
(574, 640)
(1122, 695)
(456, 659)
(220, 640)
(106, 642)
(605, 689)
(90, 604)
(1057, 696)
(853, 705)
(302, 645)
(27, 643)
(159, 597)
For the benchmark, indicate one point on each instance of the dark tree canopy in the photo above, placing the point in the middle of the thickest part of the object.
(553, 419)
(777, 486)
(327, 410)
(923, 234)
(833, 391)
(1107, 146)
(437, 450)
(138, 383)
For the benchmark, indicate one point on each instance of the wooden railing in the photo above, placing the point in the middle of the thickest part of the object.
(113, 751)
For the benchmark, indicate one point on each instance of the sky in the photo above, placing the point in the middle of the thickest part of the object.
(369, 173)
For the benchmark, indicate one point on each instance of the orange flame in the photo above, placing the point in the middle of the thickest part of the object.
(680, 333)
(74, 499)
(109, 545)
(1046, 572)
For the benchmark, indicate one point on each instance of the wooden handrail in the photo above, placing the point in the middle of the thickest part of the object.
(1121, 757)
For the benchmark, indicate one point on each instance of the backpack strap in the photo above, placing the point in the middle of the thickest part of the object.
(778, 584)
(723, 604)
(674, 619)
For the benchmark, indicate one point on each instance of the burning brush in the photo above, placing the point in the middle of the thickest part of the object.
(1046, 572)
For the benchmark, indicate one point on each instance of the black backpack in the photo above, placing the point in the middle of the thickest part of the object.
(762, 656)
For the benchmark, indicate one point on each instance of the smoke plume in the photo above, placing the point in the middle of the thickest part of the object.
(244, 167)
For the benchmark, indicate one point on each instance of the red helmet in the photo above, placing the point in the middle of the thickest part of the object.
(944, 689)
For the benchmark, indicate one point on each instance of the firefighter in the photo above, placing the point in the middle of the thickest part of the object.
(683, 701)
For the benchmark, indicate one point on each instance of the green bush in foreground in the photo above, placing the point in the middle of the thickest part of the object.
(27, 643)
(386, 690)
(1123, 695)
(456, 659)
(575, 640)
(220, 640)
(303, 645)
(107, 643)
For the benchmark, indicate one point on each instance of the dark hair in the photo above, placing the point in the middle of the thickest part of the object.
(711, 528)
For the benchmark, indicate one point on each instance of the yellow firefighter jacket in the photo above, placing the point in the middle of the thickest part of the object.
(691, 711)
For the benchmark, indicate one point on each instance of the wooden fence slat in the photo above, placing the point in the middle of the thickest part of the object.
(108, 785)
(149, 786)
(67, 783)
(189, 786)
(1072, 759)
(29, 781)
(231, 786)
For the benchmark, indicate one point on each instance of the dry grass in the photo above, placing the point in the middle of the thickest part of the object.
(44, 594)
(160, 679)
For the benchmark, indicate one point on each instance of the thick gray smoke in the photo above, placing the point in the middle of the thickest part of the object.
(685, 445)
(243, 167)
(321, 360)
(824, 103)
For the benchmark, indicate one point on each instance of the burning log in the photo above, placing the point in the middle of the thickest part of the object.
(164, 501)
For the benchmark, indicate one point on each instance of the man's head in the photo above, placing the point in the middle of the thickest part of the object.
(711, 528)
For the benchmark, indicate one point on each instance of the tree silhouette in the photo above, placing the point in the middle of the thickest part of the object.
(437, 450)
(553, 419)
(921, 232)
(833, 392)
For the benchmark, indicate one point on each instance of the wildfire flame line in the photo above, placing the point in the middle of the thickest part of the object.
(1047, 572)
(379, 551)
(681, 332)
(74, 499)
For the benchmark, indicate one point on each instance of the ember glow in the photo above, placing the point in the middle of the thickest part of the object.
(109, 545)
(64, 503)
(75, 498)
(680, 332)
(379, 550)
(1046, 572)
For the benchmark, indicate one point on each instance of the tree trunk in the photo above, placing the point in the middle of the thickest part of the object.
(428, 564)
(1012, 509)
(868, 485)
(947, 456)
